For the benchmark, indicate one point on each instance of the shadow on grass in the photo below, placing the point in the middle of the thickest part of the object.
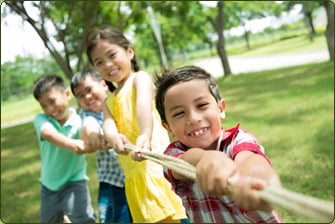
(20, 164)
(291, 112)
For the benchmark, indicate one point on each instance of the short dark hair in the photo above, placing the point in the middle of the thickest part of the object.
(45, 83)
(80, 76)
(182, 74)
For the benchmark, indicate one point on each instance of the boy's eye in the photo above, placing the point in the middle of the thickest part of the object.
(112, 55)
(97, 63)
(203, 105)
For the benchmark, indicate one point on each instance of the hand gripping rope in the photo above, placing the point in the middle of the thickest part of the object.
(309, 207)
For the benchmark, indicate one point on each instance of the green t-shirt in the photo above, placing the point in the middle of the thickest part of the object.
(58, 165)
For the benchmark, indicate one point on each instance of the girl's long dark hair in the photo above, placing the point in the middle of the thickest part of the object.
(112, 35)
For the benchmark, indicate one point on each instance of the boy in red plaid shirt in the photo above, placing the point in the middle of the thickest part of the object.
(191, 110)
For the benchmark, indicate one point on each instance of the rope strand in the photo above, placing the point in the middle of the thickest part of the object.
(309, 207)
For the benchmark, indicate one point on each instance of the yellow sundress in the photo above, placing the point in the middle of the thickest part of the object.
(149, 194)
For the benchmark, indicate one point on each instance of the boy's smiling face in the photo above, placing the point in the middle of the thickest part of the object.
(55, 104)
(192, 114)
(91, 94)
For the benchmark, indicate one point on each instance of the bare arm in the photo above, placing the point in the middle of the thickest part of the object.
(92, 135)
(144, 93)
(113, 138)
(144, 99)
(213, 168)
(50, 134)
(256, 173)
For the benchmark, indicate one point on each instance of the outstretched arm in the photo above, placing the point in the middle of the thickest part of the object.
(113, 138)
(255, 173)
(92, 135)
(252, 172)
(144, 100)
(50, 134)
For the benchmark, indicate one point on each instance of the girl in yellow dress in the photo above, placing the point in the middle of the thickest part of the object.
(131, 117)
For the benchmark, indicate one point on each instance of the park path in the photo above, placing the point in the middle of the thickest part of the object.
(252, 64)
(239, 65)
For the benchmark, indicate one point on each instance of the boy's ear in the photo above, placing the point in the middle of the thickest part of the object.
(104, 84)
(167, 127)
(222, 106)
(67, 93)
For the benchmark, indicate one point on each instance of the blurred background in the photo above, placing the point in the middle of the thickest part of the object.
(41, 37)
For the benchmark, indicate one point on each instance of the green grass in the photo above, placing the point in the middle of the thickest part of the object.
(260, 47)
(290, 111)
(19, 108)
(292, 45)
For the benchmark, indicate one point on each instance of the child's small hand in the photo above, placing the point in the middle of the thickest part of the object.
(95, 140)
(117, 141)
(78, 146)
(89, 148)
(142, 143)
(244, 193)
(104, 144)
(213, 170)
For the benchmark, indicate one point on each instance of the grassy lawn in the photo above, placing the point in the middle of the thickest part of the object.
(290, 111)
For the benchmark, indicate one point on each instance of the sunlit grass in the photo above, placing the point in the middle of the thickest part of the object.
(292, 45)
(291, 111)
(19, 108)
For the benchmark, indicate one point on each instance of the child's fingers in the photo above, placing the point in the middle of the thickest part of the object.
(245, 194)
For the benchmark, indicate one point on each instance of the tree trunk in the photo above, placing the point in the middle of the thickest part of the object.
(218, 25)
(221, 42)
(310, 25)
(329, 6)
(246, 37)
(157, 32)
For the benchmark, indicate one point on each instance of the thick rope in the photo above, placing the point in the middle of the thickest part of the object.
(309, 207)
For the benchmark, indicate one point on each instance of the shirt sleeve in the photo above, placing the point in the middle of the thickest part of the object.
(40, 122)
(244, 141)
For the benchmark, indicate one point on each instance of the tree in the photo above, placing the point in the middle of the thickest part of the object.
(155, 26)
(329, 6)
(60, 23)
(239, 13)
(17, 78)
(307, 9)
(218, 24)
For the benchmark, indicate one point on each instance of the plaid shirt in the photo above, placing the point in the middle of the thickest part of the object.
(108, 166)
(201, 208)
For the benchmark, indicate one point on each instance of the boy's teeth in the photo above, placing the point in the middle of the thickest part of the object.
(197, 133)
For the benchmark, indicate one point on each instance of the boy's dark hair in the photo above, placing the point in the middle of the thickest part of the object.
(80, 76)
(182, 74)
(45, 83)
(113, 36)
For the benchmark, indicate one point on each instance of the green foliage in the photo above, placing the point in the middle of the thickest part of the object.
(289, 110)
(184, 25)
(17, 78)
